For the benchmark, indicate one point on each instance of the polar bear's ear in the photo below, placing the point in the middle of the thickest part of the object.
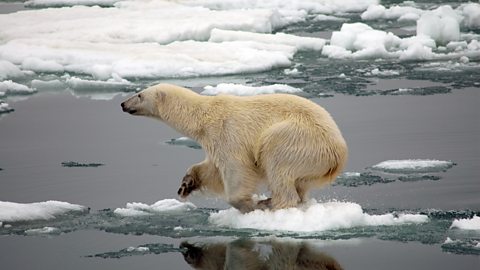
(161, 95)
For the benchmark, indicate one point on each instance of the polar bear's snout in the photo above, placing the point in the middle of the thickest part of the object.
(127, 108)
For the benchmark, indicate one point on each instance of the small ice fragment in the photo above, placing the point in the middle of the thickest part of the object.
(413, 166)
(467, 224)
(44, 230)
(244, 90)
(4, 107)
(342, 76)
(292, 71)
(10, 211)
(12, 88)
(464, 59)
(162, 206)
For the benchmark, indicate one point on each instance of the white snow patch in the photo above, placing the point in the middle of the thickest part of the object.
(300, 43)
(12, 88)
(11, 212)
(467, 224)
(413, 165)
(311, 217)
(244, 90)
(162, 206)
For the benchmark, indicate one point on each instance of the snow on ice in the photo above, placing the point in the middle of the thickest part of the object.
(311, 217)
(11, 212)
(166, 205)
(413, 166)
(467, 224)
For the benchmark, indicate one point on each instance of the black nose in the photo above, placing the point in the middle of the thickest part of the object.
(123, 106)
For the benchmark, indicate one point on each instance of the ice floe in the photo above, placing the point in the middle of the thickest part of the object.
(4, 107)
(43, 231)
(12, 212)
(12, 88)
(300, 43)
(413, 166)
(312, 217)
(467, 224)
(9, 70)
(162, 206)
(244, 90)
(361, 41)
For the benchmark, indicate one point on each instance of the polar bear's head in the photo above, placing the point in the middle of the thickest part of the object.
(144, 103)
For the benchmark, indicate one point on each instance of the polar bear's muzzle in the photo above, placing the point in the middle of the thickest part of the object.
(127, 108)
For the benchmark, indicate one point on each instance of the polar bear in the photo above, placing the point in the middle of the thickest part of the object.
(284, 141)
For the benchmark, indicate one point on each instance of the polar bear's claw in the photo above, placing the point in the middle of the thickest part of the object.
(188, 185)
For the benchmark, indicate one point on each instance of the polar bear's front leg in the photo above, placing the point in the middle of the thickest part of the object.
(202, 176)
(240, 184)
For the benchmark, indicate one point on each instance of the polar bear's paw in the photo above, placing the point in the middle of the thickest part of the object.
(188, 185)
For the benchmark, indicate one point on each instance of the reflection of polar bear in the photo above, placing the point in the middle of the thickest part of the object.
(248, 254)
(285, 141)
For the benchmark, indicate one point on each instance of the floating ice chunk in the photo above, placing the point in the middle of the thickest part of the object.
(39, 65)
(441, 24)
(300, 43)
(4, 107)
(358, 40)
(244, 90)
(310, 218)
(166, 205)
(185, 141)
(9, 70)
(292, 71)
(13, 88)
(151, 60)
(11, 212)
(401, 13)
(417, 52)
(471, 13)
(355, 179)
(322, 17)
(467, 224)
(133, 22)
(378, 72)
(43, 231)
(413, 166)
(89, 85)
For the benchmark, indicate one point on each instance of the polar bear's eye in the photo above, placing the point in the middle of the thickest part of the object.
(139, 96)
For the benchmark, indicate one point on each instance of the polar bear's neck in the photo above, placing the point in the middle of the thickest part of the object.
(185, 111)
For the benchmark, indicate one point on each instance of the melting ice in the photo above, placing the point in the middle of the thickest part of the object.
(12, 212)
